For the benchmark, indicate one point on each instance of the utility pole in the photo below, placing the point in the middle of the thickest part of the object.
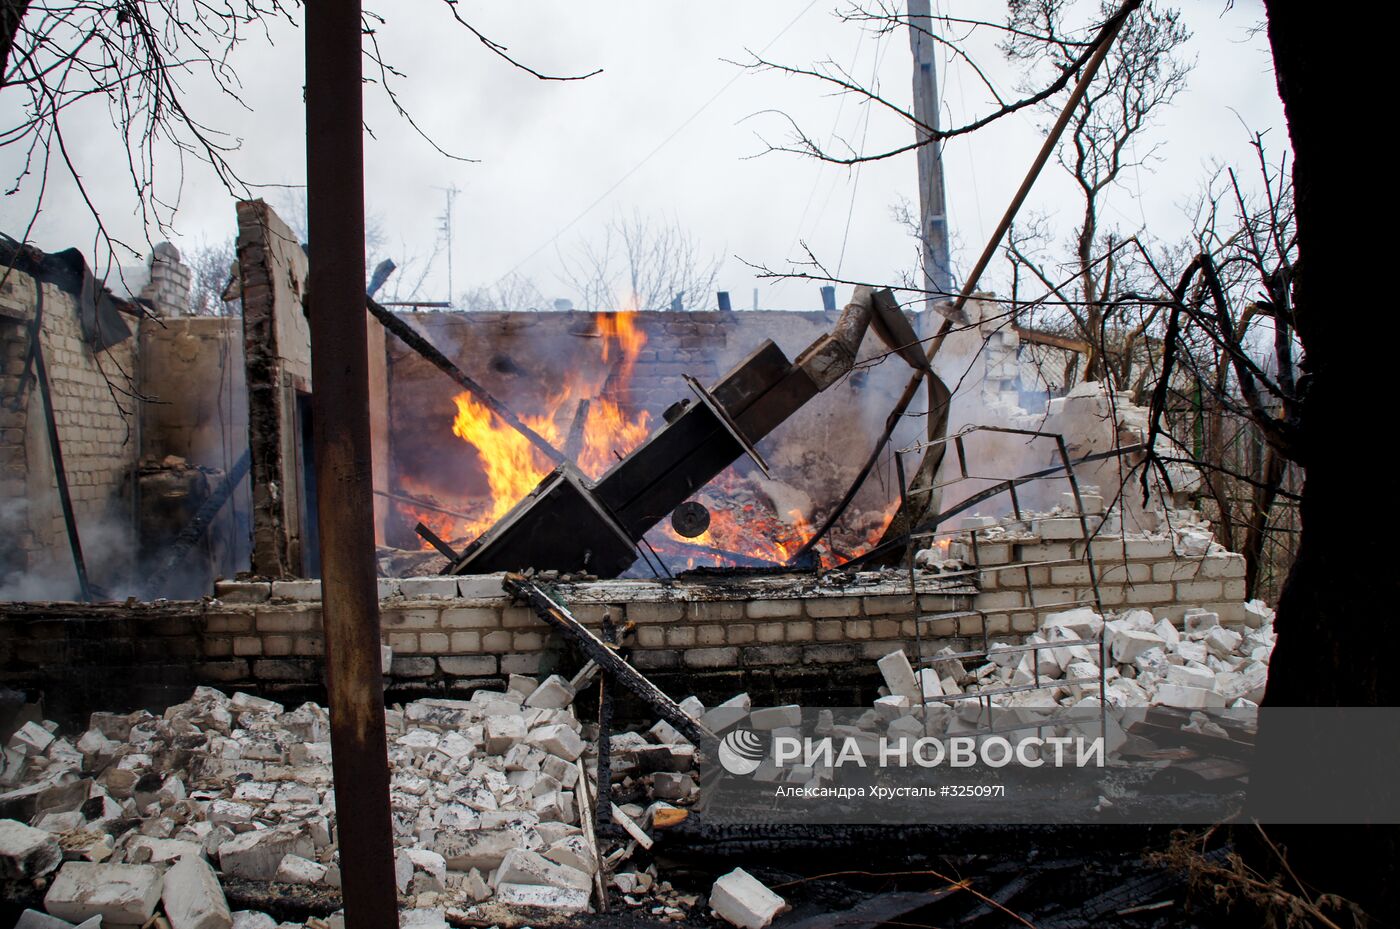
(446, 229)
(335, 200)
(933, 221)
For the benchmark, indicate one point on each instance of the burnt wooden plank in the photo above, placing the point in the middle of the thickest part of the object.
(556, 614)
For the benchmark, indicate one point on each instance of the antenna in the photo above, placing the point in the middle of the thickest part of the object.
(445, 229)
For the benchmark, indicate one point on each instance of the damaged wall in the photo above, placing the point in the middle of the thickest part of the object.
(277, 355)
(774, 637)
(195, 407)
(97, 432)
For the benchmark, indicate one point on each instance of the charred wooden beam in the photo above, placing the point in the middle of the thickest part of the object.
(614, 666)
(411, 337)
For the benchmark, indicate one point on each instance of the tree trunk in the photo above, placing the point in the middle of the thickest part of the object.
(1338, 603)
(11, 14)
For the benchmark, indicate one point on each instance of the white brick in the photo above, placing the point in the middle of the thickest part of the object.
(741, 900)
(26, 853)
(899, 676)
(526, 867)
(428, 588)
(122, 894)
(193, 898)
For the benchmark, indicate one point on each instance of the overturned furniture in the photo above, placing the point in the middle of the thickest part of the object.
(569, 523)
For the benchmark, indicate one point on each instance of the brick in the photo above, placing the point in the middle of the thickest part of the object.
(774, 609)
(740, 634)
(1182, 569)
(830, 630)
(886, 605)
(710, 635)
(714, 611)
(528, 663)
(287, 669)
(498, 641)
(941, 628)
(771, 632)
(1234, 589)
(287, 620)
(761, 655)
(800, 631)
(1149, 593)
(1001, 599)
(473, 586)
(223, 671)
(466, 641)
(1225, 565)
(1024, 622)
(247, 645)
(412, 667)
(651, 636)
(656, 659)
(1131, 572)
(680, 636)
(520, 617)
(412, 619)
(1071, 574)
(296, 590)
(711, 657)
(468, 665)
(1197, 591)
(433, 643)
(828, 654)
(1059, 528)
(644, 612)
(858, 629)
(825, 607)
(313, 645)
(527, 641)
(887, 628)
(1147, 548)
(429, 588)
(993, 553)
(243, 591)
(403, 641)
(277, 645)
(471, 617)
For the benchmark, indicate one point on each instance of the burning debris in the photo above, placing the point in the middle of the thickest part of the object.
(619, 482)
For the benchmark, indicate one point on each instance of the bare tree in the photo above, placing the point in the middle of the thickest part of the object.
(1144, 72)
(214, 266)
(641, 264)
(145, 61)
(512, 293)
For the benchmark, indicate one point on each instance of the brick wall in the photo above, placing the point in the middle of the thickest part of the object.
(96, 428)
(776, 637)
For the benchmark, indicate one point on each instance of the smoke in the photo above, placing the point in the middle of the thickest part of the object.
(39, 565)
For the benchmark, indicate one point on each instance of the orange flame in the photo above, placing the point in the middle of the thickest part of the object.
(744, 521)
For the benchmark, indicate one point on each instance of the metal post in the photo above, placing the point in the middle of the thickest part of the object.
(933, 221)
(341, 439)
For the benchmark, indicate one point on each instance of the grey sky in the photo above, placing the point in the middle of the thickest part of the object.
(552, 154)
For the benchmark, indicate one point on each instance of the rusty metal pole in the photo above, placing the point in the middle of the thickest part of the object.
(341, 438)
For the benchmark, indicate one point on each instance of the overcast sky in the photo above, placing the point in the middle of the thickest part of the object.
(668, 129)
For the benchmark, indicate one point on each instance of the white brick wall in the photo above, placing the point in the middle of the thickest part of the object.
(95, 428)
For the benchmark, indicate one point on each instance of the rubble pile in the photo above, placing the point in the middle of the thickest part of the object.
(1147, 661)
(142, 813)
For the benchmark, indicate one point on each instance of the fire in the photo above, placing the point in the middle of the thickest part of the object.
(745, 523)
(513, 466)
